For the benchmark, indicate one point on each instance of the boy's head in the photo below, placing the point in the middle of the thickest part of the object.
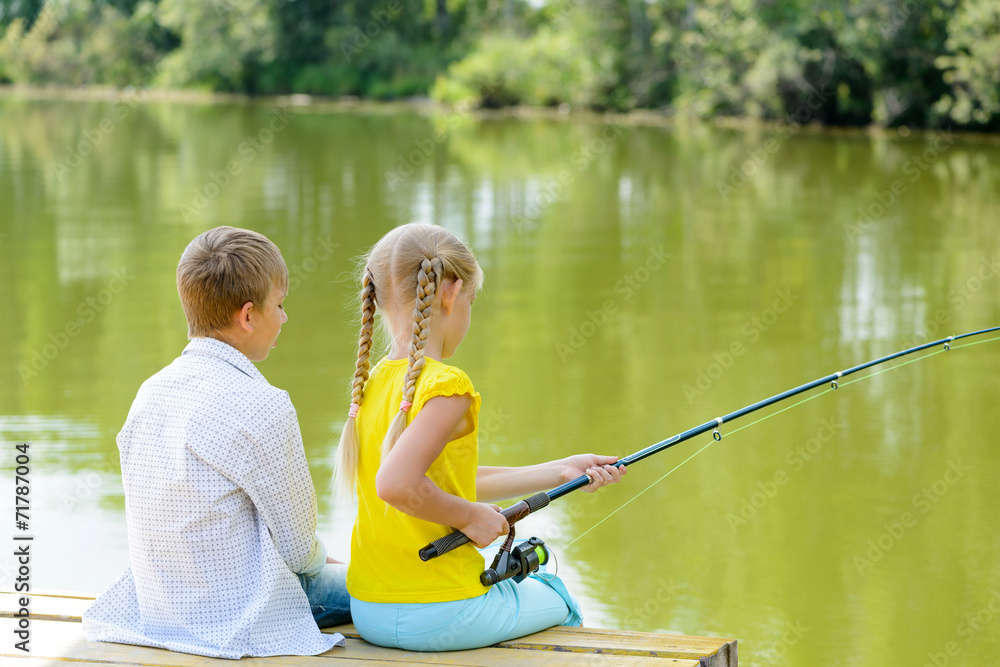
(221, 271)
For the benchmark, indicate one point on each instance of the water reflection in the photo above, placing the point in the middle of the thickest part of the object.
(608, 322)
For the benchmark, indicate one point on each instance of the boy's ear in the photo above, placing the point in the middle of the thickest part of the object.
(449, 293)
(242, 317)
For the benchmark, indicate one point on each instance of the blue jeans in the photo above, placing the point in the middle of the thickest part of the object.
(327, 593)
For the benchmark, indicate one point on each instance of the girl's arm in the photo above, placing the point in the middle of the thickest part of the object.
(499, 483)
(402, 480)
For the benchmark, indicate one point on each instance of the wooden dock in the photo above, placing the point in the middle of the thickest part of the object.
(57, 639)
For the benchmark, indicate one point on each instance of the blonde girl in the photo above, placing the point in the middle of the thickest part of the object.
(409, 451)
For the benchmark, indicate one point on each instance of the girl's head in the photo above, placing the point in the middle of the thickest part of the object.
(403, 278)
(407, 269)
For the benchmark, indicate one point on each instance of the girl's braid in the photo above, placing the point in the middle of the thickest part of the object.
(427, 282)
(365, 342)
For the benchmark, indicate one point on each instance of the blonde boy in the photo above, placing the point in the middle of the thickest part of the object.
(223, 555)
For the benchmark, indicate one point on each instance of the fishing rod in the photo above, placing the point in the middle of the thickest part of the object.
(523, 508)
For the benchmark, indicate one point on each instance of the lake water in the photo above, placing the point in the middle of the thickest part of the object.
(639, 281)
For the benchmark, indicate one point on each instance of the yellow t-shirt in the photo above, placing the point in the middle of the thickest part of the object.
(384, 564)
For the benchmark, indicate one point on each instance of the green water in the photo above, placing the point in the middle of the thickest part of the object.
(627, 298)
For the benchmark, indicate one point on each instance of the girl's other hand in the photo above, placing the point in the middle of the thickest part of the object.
(597, 468)
(485, 524)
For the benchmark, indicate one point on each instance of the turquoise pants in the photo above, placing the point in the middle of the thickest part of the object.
(506, 611)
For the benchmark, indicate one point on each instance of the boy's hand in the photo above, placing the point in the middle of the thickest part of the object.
(597, 468)
(485, 524)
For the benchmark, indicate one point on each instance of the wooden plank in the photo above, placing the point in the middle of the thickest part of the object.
(64, 642)
(45, 607)
(716, 652)
(64, 662)
(712, 652)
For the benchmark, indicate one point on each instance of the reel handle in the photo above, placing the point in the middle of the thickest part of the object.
(513, 514)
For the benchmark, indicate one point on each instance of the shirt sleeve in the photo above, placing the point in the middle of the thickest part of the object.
(449, 381)
(279, 484)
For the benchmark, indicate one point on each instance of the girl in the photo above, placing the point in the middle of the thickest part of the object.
(409, 451)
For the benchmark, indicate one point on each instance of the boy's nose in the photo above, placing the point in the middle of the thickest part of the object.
(284, 316)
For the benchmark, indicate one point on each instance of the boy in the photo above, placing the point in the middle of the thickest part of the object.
(221, 511)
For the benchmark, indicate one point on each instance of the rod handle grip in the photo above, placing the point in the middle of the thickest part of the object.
(513, 514)
(443, 545)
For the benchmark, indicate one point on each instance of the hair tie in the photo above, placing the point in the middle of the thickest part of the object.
(404, 405)
(353, 412)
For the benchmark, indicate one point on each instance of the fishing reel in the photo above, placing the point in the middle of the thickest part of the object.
(515, 562)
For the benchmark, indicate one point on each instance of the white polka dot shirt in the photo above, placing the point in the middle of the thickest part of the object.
(221, 513)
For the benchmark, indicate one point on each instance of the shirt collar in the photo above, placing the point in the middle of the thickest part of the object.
(213, 347)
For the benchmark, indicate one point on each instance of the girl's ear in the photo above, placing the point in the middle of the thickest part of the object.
(449, 293)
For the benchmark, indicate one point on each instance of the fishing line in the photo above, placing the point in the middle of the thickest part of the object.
(710, 443)
(540, 500)
(978, 342)
(757, 421)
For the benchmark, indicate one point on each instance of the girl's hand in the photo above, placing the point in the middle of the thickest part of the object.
(485, 524)
(597, 468)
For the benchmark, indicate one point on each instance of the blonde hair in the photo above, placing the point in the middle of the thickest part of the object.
(407, 265)
(222, 269)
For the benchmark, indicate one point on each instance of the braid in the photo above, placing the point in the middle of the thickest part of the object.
(428, 276)
(427, 279)
(347, 453)
(365, 342)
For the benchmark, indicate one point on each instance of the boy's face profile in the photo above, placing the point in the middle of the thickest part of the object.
(262, 325)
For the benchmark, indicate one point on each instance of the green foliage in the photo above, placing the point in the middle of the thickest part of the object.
(547, 69)
(79, 43)
(922, 63)
(223, 42)
(972, 66)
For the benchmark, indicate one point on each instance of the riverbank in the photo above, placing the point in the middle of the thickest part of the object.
(428, 107)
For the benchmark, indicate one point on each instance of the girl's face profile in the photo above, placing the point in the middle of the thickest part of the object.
(457, 314)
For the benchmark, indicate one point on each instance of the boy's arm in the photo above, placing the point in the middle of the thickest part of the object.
(279, 484)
